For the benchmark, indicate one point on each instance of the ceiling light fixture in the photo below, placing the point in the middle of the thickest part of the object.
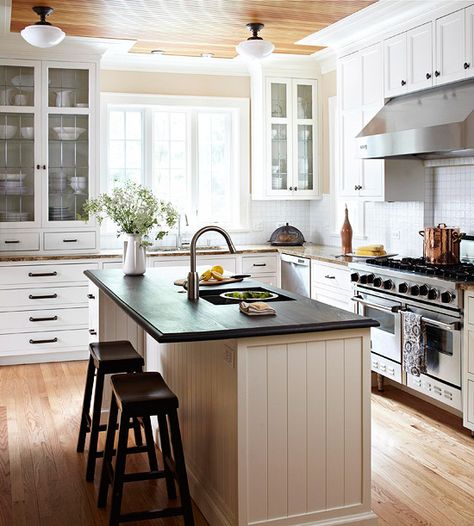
(43, 34)
(255, 47)
(157, 52)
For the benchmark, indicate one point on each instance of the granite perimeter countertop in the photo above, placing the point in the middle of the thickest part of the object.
(317, 252)
(165, 313)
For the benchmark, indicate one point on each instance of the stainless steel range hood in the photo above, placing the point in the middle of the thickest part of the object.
(430, 124)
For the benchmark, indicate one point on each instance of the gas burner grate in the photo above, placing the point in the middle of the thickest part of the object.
(460, 272)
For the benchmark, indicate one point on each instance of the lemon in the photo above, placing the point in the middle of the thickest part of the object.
(218, 269)
(206, 275)
(217, 275)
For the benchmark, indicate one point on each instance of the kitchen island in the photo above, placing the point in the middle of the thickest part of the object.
(275, 411)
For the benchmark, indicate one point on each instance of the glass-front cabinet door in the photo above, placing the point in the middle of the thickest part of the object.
(69, 103)
(305, 140)
(278, 95)
(291, 152)
(19, 144)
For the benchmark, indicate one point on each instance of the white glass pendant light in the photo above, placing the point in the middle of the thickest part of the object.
(255, 47)
(43, 34)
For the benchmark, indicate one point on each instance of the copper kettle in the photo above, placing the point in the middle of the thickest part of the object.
(441, 244)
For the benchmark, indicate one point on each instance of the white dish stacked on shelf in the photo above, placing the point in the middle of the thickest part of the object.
(19, 217)
(78, 184)
(60, 213)
(58, 181)
(27, 132)
(68, 133)
(7, 131)
(13, 184)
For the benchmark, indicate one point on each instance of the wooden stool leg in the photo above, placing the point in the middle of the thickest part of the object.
(137, 431)
(108, 454)
(181, 475)
(94, 435)
(166, 451)
(120, 461)
(86, 405)
(150, 444)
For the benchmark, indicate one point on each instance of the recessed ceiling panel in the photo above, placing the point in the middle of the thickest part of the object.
(191, 27)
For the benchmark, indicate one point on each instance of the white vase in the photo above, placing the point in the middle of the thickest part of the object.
(134, 263)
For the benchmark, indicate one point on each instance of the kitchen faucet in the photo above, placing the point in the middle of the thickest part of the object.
(193, 277)
(179, 236)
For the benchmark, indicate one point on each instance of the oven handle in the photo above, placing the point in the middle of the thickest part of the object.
(454, 326)
(391, 310)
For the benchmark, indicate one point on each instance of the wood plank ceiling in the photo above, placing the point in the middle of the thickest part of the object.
(191, 27)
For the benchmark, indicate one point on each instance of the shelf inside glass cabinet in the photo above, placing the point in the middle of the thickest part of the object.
(68, 88)
(16, 85)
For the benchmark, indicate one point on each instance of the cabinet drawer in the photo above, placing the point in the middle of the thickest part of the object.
(437, 390)
(331, 275)
(69, 241)
(43, 342)
(19, 242)
(34, 274)
(333, 297)
(386, 367)
(469, 300)
(469, 399)
(203, 263)
(259, 265)
(43, 320)
(39, 298)
(470, 350)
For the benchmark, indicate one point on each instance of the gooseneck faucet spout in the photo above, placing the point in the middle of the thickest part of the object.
(193, 276)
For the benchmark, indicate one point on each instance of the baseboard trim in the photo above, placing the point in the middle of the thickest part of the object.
(67, 356)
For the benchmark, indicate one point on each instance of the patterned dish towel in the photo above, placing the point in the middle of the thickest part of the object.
(257, 308)
(413, 342)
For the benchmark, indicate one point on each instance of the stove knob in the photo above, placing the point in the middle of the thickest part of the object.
(388, 284)
(447, 297)
(364, 279)
(370, 278)
(424, 290)
(433, 294)
(403, 288)
(378, 282)
(414, 290)
(355, 277)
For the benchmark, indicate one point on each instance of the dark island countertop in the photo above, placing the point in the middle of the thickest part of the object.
(163, 310)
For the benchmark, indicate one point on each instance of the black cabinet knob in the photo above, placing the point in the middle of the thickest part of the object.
(44, 167)
(38, 166)
(437, 73)
(291, 188)
(403, 288)
(428, 76)
(467, 65)
(403, 82)
(296, 188)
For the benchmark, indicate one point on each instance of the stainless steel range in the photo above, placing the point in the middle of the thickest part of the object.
(383, 288)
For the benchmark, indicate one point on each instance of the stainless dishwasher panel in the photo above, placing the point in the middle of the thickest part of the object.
(296, 274)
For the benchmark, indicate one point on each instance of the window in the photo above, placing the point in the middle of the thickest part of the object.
(190, 151)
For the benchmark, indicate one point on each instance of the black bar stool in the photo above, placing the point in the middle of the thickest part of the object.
(144, 395)
(105, 358)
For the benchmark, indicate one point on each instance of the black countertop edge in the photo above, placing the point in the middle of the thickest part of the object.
(229, 334)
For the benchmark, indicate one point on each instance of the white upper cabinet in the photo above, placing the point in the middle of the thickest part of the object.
(395, 58)
(371, 67)
(450, 48)
(469, 65)
(349, 77)
(350, 166)
(420, 57)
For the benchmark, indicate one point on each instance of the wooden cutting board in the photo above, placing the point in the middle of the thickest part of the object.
(211, 282)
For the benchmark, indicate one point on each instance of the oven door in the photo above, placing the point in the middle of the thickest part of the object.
(385, 340)
(443, 344)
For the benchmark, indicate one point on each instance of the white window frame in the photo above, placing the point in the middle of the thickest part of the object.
(240, 132)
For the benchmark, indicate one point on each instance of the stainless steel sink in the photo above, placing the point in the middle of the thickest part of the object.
(185, 249)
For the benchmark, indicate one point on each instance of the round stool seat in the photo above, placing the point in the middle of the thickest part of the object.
(143, 392)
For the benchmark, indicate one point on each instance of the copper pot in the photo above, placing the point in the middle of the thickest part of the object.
(441, 244)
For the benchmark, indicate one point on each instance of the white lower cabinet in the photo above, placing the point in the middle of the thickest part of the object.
(331, 284)
(44, 314)
(468, 361)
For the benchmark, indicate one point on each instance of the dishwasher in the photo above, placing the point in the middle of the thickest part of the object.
(296, 274)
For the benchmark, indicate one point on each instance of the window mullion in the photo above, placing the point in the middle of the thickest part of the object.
(147, 147)
(194, 163)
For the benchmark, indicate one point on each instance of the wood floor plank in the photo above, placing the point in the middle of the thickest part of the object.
(422, 462)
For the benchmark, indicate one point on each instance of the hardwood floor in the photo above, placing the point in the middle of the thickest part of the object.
(423, 460)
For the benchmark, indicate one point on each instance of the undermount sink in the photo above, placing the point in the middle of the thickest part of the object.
(214, 296)
(184, 249)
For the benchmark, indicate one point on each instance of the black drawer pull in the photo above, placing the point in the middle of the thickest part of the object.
(92, 332)
(437, 73)
(41, 274)
(35, 342)
(91, 296)
(43, 297)
(428, 76)
(69, 240)
(12, 241)
(327, 276)
(51, 318)
(259, 264)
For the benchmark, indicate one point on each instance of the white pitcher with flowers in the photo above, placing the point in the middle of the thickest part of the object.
(137, 212)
